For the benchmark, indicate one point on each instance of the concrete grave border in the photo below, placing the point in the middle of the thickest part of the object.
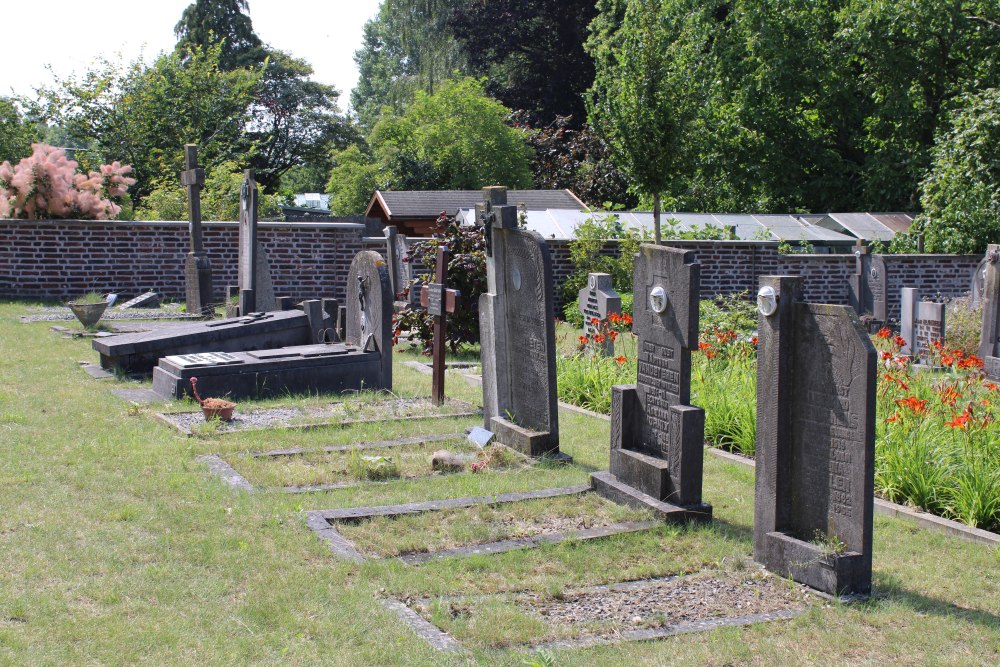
(323, 523)
(442, 641)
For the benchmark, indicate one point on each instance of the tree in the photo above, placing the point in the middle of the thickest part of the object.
(961, 193)
(220, 198)
(453, 139)
(17, 133)
(222, 22)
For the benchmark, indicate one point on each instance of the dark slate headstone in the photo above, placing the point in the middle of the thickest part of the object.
(868, 286)
(657, 438)
(815, 473)
(147, 300)
(517, 333)
(989, 341)
(599, 300)
(256, 291)
(369, 310)
(921, 323)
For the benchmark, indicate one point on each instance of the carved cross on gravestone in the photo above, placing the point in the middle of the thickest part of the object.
(197, 268)
(599, 300)
(438, 300)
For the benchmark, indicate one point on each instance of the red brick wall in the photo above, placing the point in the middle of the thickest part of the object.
(61, 259)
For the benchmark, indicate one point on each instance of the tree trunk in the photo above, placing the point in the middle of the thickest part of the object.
(656, 218)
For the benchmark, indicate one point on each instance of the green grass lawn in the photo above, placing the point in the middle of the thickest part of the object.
(117, 547)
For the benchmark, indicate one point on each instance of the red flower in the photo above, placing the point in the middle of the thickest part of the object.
(972, 361)
(884, 333)
(621, 359)
(599, 338)
(613, 334)
(893, 418)
(960, 421)
(627, 319)
(899, 341)
(583, 340)
(754, 340)
(913, 403)
(614, 318)
(949, 395)
(886, 356)
(595, 322)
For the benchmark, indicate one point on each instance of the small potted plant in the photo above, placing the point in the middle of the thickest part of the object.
(89, 308)
(213, 407)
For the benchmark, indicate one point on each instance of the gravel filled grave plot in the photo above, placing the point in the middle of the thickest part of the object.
(637, 610)
(62, 314)
(419, 532)
(315, 416)
(297, 470)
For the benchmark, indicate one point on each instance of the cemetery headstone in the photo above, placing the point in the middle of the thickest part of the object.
(921, 323)
(815, 473)
(657, 438)
(599, 300)
(146, 300)
(197, 267)
(369, 310)
(978, 283)
(256, 291)
(867, 287)
(517, 333)
(439, 300)
(989, 341)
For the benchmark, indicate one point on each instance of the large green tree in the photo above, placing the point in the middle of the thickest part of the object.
(17, 132)
(221, 21)
(456, 138)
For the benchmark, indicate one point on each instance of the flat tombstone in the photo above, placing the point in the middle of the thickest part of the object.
(989, 342)
(599, 300)
(256, 291)
(657, 438)
(517, 334)
(369, 309)
(815, 477)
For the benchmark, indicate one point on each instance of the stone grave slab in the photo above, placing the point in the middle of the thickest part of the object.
(815, 461)
(989, 340)
(657, 438)
(599, 300)
(517, 333)
(921, 324)
(147, 300)
(139, 352)
(868, 287)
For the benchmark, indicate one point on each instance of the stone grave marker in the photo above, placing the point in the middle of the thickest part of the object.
(369, 310)
(989, 341)
(657, 438)
(867, 287)
(517, 333)
(599, 300)
(146, 300)
(439, 300)
(978, 283)
(815, 478)
(197, 267)
(256, 291)
(921, 323)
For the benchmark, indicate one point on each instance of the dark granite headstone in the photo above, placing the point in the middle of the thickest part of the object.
(989, 341)
(599, 300)
(815, 476)
(867, 287)
(517, 333)
(921, 323)
(657, 438)
(197, 267)
(256, 291)
(369, 310)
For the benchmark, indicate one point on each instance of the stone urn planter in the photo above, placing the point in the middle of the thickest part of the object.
(213, 407)
(89, 314)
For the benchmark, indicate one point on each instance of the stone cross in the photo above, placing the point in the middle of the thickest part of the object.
(657, 438)
(256, 292)
(438, 300)
(867, 287)
(989, 341)
(517, 333)
(599, 300)
(815, 477)
(921, 323)
(197, 268)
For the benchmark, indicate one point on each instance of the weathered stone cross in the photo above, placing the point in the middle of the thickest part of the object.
(197, 268)
(438, 300)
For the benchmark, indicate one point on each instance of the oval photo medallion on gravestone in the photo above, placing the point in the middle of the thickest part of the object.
(767, 301)
(592, 282)
(658, 299)
(515, 278)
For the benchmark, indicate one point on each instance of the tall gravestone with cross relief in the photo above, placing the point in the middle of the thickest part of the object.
(815, 472)
(517, 333)
(598, 300)
(989, 341)
(868, 287)
(197, 267)
(657, 437)
(439, 301)
(256, 291)
(369, 311)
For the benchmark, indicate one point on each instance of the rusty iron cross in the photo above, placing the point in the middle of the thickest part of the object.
(439, 300)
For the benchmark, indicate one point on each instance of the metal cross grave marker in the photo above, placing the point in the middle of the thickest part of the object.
(439, 300)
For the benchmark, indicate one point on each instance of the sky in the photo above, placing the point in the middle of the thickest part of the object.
(69, 35)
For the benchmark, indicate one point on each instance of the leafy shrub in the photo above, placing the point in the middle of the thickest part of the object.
(963, 325)
(372, 468)
(46, 184)
(589, 250)
(220, 198)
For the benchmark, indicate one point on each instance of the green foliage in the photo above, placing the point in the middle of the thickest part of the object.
(220, 198)
(735, 312)
(222, 22)
(587, 251)
(964, 326)
(17, 132)
(455, 139)
(372, 468)
(961, 193)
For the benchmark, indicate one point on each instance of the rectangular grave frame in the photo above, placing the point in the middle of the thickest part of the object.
(324, 524)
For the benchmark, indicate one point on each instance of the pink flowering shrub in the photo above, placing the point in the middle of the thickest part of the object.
(46, 185)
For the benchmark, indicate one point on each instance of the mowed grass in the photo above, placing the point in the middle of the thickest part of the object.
(117, 547)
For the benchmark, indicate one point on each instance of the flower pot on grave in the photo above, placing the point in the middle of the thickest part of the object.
(217, 407)
(89, 314)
